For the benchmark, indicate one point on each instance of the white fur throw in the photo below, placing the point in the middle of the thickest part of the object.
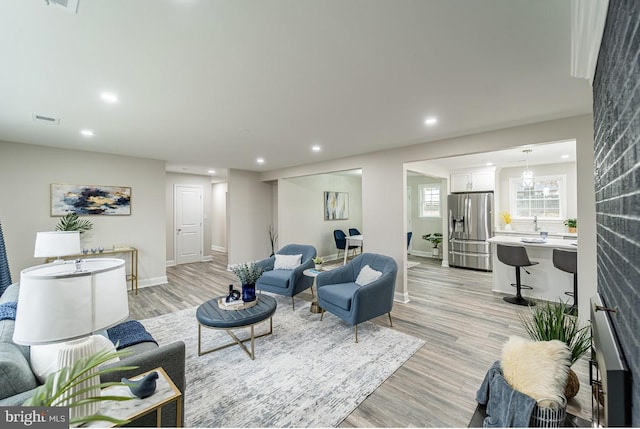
(536, 368)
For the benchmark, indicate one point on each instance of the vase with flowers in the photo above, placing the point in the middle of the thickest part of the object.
(318, 261)
(506, 217)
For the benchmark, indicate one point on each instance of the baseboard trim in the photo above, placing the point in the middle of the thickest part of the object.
(423, 254)
(171, 263)
(155, 281)
(207, 258)
(218, 248)
(445, 263)
(401, 297)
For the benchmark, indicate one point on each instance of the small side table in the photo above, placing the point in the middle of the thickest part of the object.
(312, 272)
(166, 392)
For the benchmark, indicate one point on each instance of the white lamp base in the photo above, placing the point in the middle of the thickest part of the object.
(69, 354)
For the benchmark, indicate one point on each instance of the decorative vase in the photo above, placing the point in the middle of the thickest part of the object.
(233, 295)
(507, 227)
(249, 292)
(573, 229)
(573, 385)
(319, 267)
(435, 251)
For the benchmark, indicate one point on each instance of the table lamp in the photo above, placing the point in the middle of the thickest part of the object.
(59, 304)
(57, 243)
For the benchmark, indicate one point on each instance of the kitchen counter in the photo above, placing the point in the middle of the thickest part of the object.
(548, 282)
(527, 233)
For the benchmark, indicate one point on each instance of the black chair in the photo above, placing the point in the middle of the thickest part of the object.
(341, 241)
(354, 231)
(567, 261)
(516, 256)
(409, 235)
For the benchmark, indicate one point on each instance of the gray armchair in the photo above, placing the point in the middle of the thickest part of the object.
(339, 294)
(287, 282)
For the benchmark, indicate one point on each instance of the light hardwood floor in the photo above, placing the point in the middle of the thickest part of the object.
(463, 323)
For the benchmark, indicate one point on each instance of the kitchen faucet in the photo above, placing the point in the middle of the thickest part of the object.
(535, 223)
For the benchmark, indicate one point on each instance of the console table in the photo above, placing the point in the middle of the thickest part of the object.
(132, 276)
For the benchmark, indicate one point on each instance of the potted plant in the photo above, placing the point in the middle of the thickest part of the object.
(248, 274)
(435, 238)
(551, 321)
(72, 222)
(572, 224)
(318, 261)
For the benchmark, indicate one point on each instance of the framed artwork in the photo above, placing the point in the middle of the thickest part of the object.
(90, 200)
(336, 205)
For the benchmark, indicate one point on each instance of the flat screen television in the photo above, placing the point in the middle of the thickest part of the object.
(609, 373)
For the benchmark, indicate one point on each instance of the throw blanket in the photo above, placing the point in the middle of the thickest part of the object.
(506, 407)
(129, 333)
(8, 310)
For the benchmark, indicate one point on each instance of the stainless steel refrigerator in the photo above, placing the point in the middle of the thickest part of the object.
(470, 225)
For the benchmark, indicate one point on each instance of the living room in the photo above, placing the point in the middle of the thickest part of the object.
(258, 197)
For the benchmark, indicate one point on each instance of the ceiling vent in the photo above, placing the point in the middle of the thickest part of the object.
(68, 5)
(42, 119)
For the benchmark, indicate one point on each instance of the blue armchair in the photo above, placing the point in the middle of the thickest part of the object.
(339, 294)
(287, 282)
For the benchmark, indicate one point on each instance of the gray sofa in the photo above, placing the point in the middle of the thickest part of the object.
(17, 381)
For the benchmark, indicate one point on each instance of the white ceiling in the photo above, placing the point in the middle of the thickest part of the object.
(216, 84)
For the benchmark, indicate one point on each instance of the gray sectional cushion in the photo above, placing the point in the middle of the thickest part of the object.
(15, 372)
(11, 293)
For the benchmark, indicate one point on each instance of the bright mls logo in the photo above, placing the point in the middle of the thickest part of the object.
(34, 417)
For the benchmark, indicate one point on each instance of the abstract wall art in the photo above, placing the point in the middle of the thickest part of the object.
(336, 205)
(90, 200)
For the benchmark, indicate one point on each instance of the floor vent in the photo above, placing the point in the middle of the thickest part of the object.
(45, 119)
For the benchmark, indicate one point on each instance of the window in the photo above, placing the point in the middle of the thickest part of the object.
(544, 199)
(430, 200)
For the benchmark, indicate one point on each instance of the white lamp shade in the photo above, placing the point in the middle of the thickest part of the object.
(57, 243)
(57, 303)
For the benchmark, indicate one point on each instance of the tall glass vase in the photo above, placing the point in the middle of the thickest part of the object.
(249, 292)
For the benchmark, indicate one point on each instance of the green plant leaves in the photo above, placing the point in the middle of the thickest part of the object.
(550, 321)
(72, 222)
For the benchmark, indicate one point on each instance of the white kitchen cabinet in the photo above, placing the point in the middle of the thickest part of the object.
(473, 180)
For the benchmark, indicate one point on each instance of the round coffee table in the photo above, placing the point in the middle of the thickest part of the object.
(210, 315)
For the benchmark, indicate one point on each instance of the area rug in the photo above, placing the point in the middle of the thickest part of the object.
(308, 373)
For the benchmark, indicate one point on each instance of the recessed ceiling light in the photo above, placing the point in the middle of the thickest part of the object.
(431, 121)
(489, 164)
(211, 171)
(260, 160)
(87, 133)
(316, 148)
(565, 156)
(109, 97)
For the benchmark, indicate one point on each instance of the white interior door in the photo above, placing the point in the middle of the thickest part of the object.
(188, 223)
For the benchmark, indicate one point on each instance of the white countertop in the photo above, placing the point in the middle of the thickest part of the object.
(526, 233)
(549, 243)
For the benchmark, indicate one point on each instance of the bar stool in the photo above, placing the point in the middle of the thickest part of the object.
(516, 256)
(567, 261)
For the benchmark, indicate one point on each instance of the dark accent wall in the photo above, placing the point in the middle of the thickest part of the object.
(616, 108)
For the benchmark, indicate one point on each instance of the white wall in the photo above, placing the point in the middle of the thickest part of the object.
(567, 169)
(219, 216)
(249, 213)
(204, 183)
(301, 218)
(383, 175)
(26, 173)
